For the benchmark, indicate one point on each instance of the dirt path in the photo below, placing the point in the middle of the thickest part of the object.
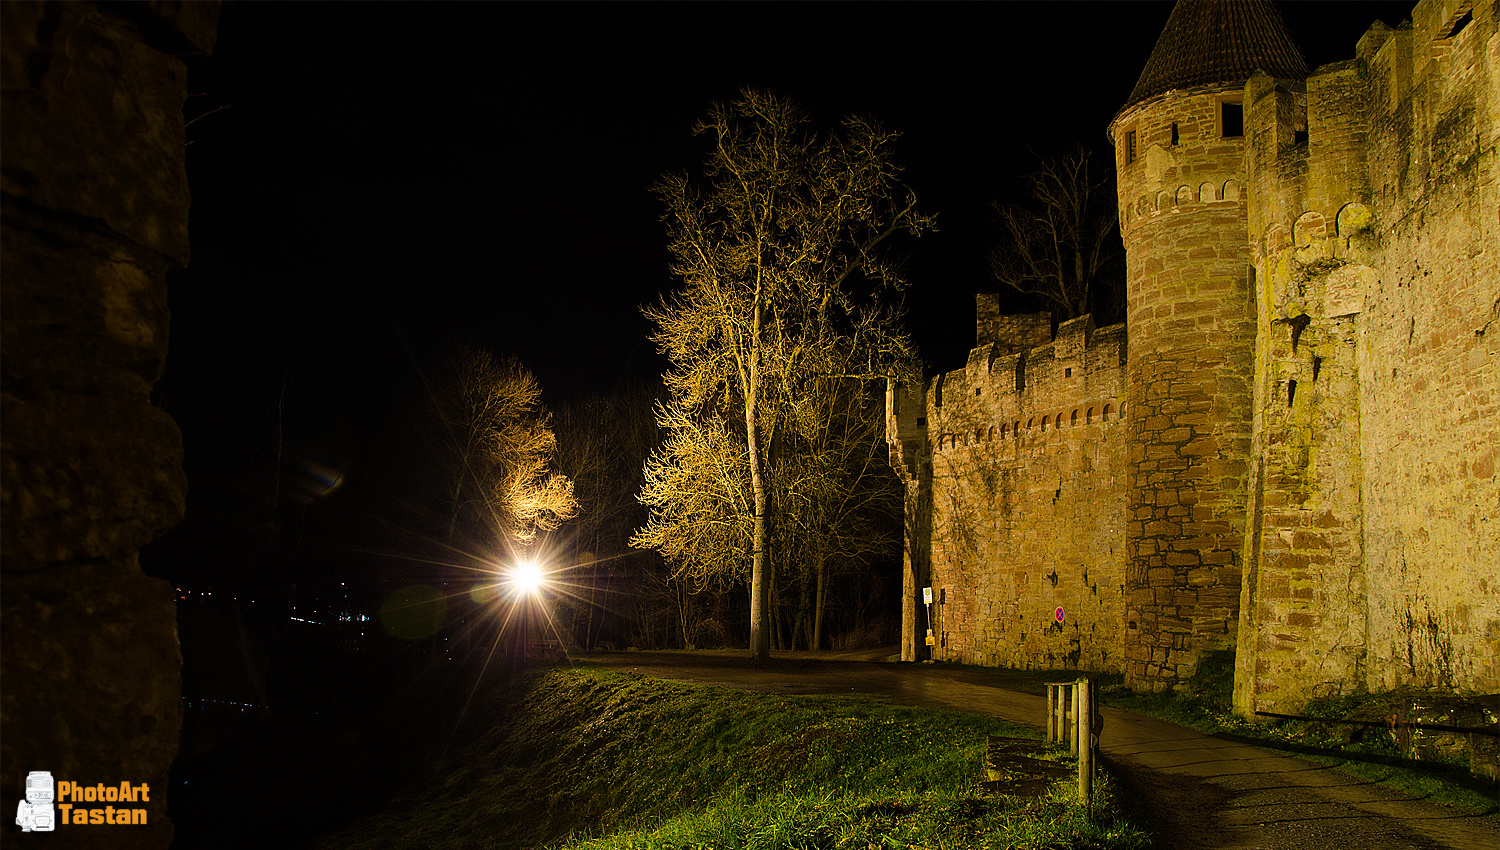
(1198, 792)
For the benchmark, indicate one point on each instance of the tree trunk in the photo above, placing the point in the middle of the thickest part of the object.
(817, 635)
(684, 615)
(804, 622)
(760, 586)
(1082, 285)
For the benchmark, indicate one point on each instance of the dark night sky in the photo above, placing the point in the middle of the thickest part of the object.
(389, 177)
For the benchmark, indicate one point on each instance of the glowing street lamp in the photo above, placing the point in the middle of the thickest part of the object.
(526, 578)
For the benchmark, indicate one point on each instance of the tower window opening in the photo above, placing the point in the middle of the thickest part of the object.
(1174, 133)
(1129, 146)
(1317, 367)
(1231, 119)
(1068, 372)
(1291, 392)
(976, 391)
(1458, 25)
(1299, 324)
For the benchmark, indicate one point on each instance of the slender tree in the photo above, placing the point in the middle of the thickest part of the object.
(785, 285)
(1062, 244)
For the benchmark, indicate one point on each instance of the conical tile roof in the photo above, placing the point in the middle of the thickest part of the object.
(1219, 41)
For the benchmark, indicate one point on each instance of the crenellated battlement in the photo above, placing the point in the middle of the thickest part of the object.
(1076, 378)
(1409, 119)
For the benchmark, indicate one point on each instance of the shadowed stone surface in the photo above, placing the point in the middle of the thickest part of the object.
(95, 212)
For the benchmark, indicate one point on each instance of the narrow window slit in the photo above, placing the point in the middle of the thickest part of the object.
(1299, 324)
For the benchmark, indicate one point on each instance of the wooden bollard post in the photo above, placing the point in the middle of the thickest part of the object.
(1070, 718)
(1052, 712)
(1083, 713)
(1060, 716)
(1064, 706)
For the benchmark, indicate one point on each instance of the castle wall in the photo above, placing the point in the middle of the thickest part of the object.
(1306, 471)
(1373, 550)
(1192, 333)
(1026, 500)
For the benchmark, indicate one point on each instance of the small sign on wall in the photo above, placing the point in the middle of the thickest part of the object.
(927, 595)
(1058, 614)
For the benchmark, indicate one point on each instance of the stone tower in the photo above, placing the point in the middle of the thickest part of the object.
(1179, 147)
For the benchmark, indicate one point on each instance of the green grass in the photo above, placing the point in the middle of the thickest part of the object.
(585, 757)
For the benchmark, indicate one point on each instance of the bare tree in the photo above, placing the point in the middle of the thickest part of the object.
(1063, 244)
(784, 285)
(498, 447)
(697, 488)
(843, 504)
(602, 445)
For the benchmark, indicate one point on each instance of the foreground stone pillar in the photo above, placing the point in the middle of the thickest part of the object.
(93, 215)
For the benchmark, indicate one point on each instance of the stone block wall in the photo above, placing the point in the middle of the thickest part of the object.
(1011, 334)
(1372, 550)
(1026, 460)
(1192, 334)
(95, 207)
(1430, 353)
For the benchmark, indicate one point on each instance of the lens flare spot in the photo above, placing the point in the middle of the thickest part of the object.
(413, 613)
(310, 479)
(485, 594)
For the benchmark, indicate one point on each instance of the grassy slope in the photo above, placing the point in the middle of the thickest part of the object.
(1368, 754)
(604, 759)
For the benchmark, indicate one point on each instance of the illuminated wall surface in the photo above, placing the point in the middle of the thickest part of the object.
(1309, 377)
(95, 213)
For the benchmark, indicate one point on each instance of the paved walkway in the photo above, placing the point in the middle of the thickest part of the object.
(1199, 792)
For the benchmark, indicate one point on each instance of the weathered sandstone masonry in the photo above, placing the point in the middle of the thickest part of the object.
(95, 212)
(1305, 475)
(1192, 332)
(1374, 549)
(1024, 457)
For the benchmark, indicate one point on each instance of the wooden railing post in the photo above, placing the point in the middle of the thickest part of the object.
(1083, 713)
